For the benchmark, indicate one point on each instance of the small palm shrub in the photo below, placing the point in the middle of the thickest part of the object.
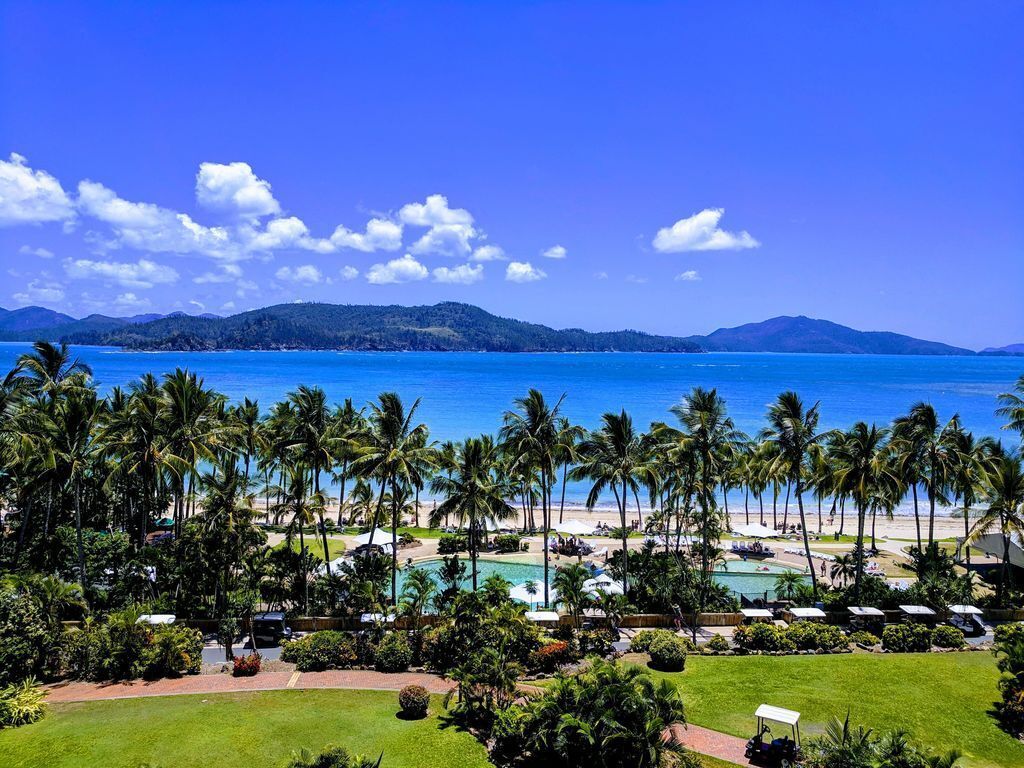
(641, 642)
(21, 703)
(946, 636)
(717, 644)
(394, 654)
(332, 757)
(863, 637)
(762, 637)
(906, 638)
(668, 653)
(247, 666)
(414, 701)
(1011, 684)
(319, 651)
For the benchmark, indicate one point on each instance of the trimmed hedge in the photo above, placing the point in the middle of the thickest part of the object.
(394, 654)
(762, 637)
(414, 701)
(718, 644)
(507, 542)
(945, 636)
(668, 653)
(906, 638)
(321, 650)
(641, 642)
(450, 543)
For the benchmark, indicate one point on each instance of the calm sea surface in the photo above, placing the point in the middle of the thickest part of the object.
(465, 393)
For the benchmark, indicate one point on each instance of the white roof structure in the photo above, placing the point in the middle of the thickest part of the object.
(380, 537)
(523, 596)
(807, 613)
(756, 613)
(858, 610)
(756, 531)
(373, 618)
(610, 587)
(777, 714)
(336, 564)
(965, 610)
(575, 528)
(155, 619)
(538, 616)
(917, 610)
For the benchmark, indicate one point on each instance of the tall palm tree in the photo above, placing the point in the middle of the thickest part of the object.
(1012, 408)
(1004, 492)
(532, 433)
(569, 435)
(569, 584)
(929, 441)
(474, 493)
(393, 452)
(794, 430)
(50, 367)
(616, 457)
(349, 428)
(971, 459)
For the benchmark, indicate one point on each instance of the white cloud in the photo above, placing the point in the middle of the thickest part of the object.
(445, 240)
(234, 188)
(40, 291)
(307, 274)
(42, 253)
(465, 274)
(226, 273)
(349, 273)
(30, 197)
(198, 305)
(434, 212)
(285, 233)
(403, 270)
(523, 272)
(688, 276)
(600, 275)
(638, 279)
(700, 232)
(380, 235)
(555, 252)
(140, 274)
(149, 227)
(488, 253)
(131, 301)
(228, 306)
(451, 229)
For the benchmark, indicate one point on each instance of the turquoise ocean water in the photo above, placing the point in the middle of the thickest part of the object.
(465, 393)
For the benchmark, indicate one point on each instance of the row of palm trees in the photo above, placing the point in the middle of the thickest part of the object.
(120, 462)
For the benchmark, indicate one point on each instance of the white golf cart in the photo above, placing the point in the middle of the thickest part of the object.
(781, 752)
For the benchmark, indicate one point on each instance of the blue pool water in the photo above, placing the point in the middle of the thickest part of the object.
(465, 393)
(739, 576)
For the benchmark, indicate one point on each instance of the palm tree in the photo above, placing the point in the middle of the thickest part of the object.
(1004, 492)
(794, 431)
(532, 433)
(616, 456)
(393, 452)
(49, 368)
(418, 592)
(787, 584)
(473, 493)
(970, 460)
(1012, 408)
(569, 584)
(928, 442)
(349, 428)
(248, 431)
(569, 435)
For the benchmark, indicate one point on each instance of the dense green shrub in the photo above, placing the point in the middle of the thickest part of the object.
(319, 651)
(450, 543)
(124, 645)
(718, 644)
(641, 642)
(394, 654)
(762, 637)
(173, 651)
(596, 641)
(507, 542)
(811, 636)
(863, 637)
(1007, 633)
(668, 653)
(945, 636)
(414, 701)
(906, 638)
(551, 656)
(23, 637)
(21, 703)
(332, 757)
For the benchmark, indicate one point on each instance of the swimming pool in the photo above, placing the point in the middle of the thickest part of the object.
(747, 578)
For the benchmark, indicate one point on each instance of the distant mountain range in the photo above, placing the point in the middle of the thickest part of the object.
(1009, 349)
(448, 326)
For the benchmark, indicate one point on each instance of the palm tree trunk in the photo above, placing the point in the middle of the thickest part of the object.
(746, 504)
(859, 567)
(785, 513)
(917, 515)
(760, 504)
(561, 506)
(842, 514)
(967, 532)
(931, 515)
(544, 515)
(78, 536)
(394, 543)
(341, 494)
(775, 506)
(807, 540)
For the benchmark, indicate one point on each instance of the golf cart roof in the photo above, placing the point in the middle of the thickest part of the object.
(808, 613)
(269, 616)
(541, 616)
(756, 613)
(965, 610)
(155, 618)
(917, 610)
(777, 714)
(860, 610)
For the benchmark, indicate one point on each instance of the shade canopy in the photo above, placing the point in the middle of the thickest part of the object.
(380, 537)
(860, 610)
(156, 618)
(808, 613)
(965, 610)
(917, 610)
(756, 531)
(521, 594)
(778, 714)
(575, 528)
(609, 587)
(541, 616)
(756, 613)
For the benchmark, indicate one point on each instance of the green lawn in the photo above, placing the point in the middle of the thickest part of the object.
(943, 699)
(247, 730)
(336, 547)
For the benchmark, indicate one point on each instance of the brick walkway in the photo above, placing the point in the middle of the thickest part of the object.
(708, 742)
(265, 681)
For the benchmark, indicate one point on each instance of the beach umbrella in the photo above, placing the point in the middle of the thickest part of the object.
(380, 537)
(521, 594)
(756, 531)
(575, 528)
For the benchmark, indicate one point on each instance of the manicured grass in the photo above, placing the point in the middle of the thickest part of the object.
(713, 762)
(247, 730)
(942, 699)
(336, 547)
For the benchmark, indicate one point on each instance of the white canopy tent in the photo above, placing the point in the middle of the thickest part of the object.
(575, 528)
(521, 594)
(335, 564)
(777, 714)
(609, 586)
(380, 537)
(756, 531)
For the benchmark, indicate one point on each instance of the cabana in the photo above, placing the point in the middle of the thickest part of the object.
(756, 531)
(967, 618)
(807, 614)
(156, 619)
(777, 752)
(380, 537)
(920, 613)
(542, 617)
(753, 615)
(575, 528)
(865, 616)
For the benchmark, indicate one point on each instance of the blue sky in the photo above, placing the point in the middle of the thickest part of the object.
(690, 165)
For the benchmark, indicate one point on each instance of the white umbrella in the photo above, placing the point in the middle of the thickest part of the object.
(575, 528)
(756, 531)
(521, 594)
(610, 587)
(380, 537)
